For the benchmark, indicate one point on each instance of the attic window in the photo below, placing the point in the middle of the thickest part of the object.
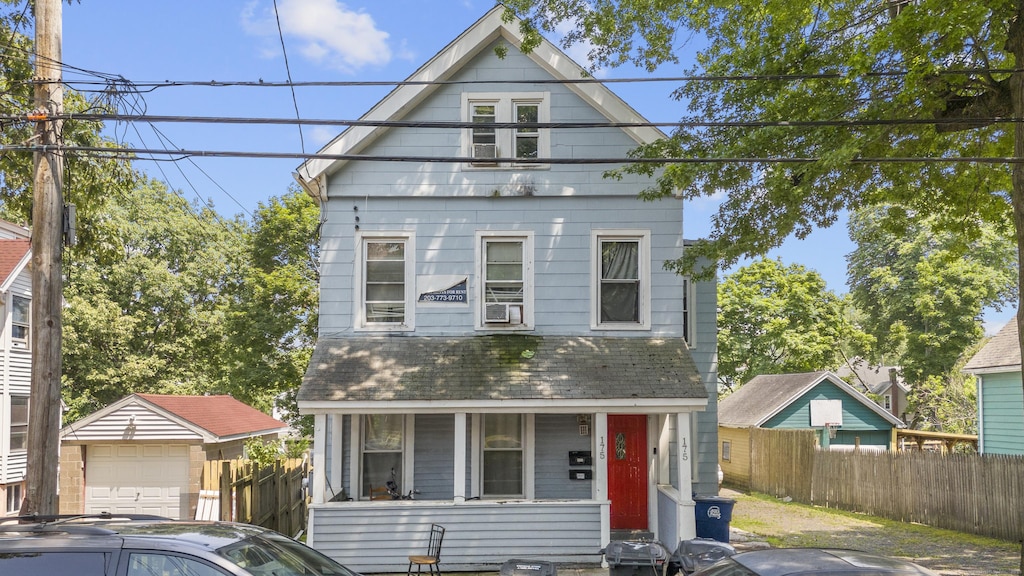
(494, 133)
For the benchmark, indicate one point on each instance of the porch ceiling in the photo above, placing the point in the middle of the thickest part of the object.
(515, 371)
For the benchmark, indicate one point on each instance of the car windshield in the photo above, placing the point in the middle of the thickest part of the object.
(271, 554)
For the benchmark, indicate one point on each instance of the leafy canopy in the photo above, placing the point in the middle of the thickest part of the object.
(884, 78)
(776, 319)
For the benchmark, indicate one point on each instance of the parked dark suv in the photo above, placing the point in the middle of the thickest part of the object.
(133, 545)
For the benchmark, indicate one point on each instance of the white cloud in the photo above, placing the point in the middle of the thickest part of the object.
(326, 32)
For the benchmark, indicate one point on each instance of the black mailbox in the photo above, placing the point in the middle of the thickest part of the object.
(581, 475)
(580, 458)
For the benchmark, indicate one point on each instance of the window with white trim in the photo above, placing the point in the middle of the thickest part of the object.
(384, 277)
(504, 442)
(887, 402)
(383, 447)
(622, 278)
(21, 321)
(19, 423)
(689, 321)
(485, 141)
(14, 497)
(506, 268)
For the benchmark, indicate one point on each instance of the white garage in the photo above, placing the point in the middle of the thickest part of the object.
(144, 454)
(137, 478)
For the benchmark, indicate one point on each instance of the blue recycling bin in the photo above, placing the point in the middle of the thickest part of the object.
(713, 516)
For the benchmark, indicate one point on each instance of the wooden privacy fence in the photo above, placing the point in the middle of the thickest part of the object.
(270, 496)
(963, 492)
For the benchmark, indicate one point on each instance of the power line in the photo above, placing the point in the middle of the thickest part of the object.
(130, 153)
(581, 80)
(506, 125)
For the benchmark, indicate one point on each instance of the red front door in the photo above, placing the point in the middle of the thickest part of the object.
(627, 471)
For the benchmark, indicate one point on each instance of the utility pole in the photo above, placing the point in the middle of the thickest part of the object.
(47, 280)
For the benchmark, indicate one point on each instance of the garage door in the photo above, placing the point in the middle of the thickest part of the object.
(139, 479)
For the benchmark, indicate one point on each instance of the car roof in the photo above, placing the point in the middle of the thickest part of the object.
(138, 532)
(794, 561)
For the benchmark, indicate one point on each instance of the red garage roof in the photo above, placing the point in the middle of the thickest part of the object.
(11, 253)
(220, 415)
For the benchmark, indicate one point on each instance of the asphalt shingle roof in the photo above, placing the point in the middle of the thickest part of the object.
(221, 415)
(759, 399)
(11, 253)
(500, 367)
(1002, 350)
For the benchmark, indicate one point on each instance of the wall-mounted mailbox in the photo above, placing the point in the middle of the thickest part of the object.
(580, 458)
(581, 475)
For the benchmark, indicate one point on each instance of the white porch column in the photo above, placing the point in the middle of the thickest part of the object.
(685, 519)
(460, 457)
(601, 474)
(336, 482)
(319, 457)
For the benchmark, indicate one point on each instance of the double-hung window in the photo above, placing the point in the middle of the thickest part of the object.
(506, 126)
(384, 277)
(21, 321)
(383, 446)
(19, 423)
(622, 278)
(504, 442)
(506, 282)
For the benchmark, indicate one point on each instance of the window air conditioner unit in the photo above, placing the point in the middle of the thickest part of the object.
(485, 153)
(496, 313)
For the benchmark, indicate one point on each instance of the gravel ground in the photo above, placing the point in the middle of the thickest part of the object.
(756, 521)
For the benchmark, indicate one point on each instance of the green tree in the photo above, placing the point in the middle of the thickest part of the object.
(89, 178)
(922, 291)
(828, 85)
(776, 319)
(144, 312)
(271, 323)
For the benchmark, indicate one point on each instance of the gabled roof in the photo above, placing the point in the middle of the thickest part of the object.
(450, 60)
(874, 378)
(757, 401)
(1000, 354)
(214, 418)
(220, 415)
(500, 373)
(14, 257)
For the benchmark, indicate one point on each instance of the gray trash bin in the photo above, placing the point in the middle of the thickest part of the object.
(697, 554)
(517, 567)
(627, 558)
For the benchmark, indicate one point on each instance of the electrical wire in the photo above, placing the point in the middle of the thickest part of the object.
(130, 153)
(151, 118)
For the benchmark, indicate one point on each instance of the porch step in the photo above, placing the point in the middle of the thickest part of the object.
(632, 535)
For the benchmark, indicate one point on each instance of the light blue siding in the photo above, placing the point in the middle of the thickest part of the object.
(1001, 403)
(858, 420)
(434, 461)
(557, 435)
(376, 537)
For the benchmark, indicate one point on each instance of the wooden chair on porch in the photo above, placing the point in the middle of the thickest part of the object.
(432, 559)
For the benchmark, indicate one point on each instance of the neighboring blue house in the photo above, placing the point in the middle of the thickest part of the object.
(1000, 397)
(843, 416)
(497, 330)
(15, 361)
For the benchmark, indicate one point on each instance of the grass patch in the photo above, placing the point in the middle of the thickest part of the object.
(913, 533)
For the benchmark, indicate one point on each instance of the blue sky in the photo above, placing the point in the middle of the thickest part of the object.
(325, 40)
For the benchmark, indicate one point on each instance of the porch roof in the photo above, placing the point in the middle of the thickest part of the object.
(501, 373)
